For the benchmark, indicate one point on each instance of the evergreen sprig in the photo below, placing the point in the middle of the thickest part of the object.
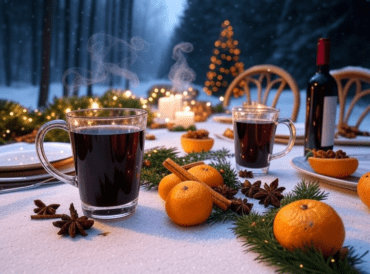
(229, 174)
(151, 175)
(181, 128)
(220, 216)
(257, 234)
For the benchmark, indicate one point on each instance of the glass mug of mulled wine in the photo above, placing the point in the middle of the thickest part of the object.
(107, 146)
(254, 134)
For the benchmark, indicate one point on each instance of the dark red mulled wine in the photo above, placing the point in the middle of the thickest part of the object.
(253, 143)
(108, 161)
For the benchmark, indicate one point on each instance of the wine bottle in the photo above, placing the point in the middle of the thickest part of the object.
(321, 103)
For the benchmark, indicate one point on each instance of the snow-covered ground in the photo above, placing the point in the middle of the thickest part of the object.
(27, 96)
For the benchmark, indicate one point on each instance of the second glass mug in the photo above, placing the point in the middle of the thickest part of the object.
(254, 133)
(107, 146)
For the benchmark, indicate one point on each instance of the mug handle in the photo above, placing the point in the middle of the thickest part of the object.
(60, 124)
(291, 141)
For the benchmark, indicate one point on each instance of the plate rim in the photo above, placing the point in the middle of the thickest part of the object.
(67, 169)
(34, 165)
(330, 180)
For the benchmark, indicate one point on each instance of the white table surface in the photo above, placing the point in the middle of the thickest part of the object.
(148, 242)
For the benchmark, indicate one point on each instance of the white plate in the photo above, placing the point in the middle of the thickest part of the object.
(22, 156)
(349, 182)
(220, 136)
(67, 169)
(223, 119)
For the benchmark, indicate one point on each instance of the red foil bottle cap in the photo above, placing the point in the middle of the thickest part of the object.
(323, 52)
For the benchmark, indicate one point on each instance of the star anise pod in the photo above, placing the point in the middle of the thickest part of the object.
(249, 189)
(73, 224)
(226, 191)
(245, 174)
(270, 194)
(241, 207)
(43, 209)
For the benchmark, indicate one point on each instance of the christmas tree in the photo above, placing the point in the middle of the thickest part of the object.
(225, 65)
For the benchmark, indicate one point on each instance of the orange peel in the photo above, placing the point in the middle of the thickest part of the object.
(338, 168)
(196, 145)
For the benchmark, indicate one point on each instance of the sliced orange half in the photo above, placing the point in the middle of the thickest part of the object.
(196, 145)
(338, 168)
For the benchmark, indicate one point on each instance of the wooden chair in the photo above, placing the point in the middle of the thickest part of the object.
(347, 79)
(269, 76)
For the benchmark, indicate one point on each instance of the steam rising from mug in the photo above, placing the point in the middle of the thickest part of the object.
(181, 75)
(100, 47)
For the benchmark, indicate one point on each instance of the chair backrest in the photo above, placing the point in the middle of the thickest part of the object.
(269, 76)
(346, 79)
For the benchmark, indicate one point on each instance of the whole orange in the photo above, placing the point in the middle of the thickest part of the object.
(305, 222)
(208, 175)
(166, 184)
(363, 189)
(189, 203)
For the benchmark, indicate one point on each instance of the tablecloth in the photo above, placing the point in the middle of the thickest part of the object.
(148, 242)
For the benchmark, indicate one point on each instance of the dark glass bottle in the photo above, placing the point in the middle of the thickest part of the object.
(321, 103)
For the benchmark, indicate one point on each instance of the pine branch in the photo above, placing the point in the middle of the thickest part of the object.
(152, 174)
(257, 234)
(220, 216)
(229, 174)
(209, 155)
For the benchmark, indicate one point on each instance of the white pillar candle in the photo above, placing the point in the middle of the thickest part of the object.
(167, 106)
(184, 118)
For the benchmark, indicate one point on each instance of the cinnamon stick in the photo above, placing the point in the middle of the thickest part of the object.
(184, 175)
(189, 166)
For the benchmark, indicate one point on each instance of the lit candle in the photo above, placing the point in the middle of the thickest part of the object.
(167, 106)
(184, 118)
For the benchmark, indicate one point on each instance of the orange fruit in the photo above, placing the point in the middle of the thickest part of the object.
(338, 168)
(189, 203)
(208, 175)
(166, 184)
(363, 189)
(196, 145)
(305, 222)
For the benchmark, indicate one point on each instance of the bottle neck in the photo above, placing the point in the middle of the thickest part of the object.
(323, 68)
(323, 54)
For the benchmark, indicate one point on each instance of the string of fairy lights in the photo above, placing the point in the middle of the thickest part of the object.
(225, 64)
(18, 120)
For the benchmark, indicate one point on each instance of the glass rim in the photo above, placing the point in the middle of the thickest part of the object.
(141, 112)
(255, 109)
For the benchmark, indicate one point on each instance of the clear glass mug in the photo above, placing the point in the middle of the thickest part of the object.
(108, 147)
(254, 134)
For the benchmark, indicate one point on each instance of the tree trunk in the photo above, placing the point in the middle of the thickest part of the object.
(46, 46)
(79, 39)
(129, 36)
(7, 43)
(111, 54)
(121, 31)
(107, 17)
(91, 32)
(67, 14)
(56, 32)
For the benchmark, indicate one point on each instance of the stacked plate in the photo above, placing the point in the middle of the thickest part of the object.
(19, 165)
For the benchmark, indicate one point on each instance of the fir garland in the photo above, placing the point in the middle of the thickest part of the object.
(256, 229)
(16, 120)
(154, 171)
(257, 233)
